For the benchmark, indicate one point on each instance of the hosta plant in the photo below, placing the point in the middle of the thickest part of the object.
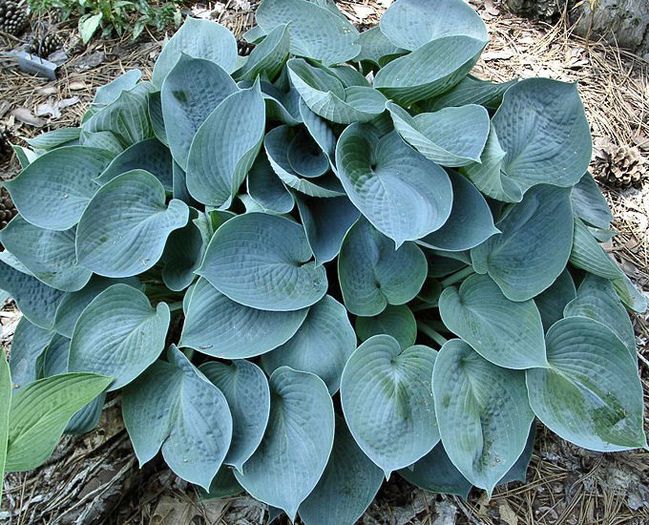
(340, 258)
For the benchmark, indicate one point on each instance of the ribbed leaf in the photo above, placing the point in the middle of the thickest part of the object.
(123, 230)
(396, 321)
(274, 255)
(404, 195)
(373, 274)
(296, 446)
(27, 346)
(320, 346)
(119, 334)
(376, 48)
(588, 255)
(387, 400)
(591, 395)
(246, 390)
(175, 408)
(483, 413)
(54, 189)
(539, 227)
(5, 404)
(506, 333)
(589, 204)
(40, 412)
(266, 189)
(471, 90)
(225, 146)
(552, 301)
(199, 39)
(268, 57)
(216, 325)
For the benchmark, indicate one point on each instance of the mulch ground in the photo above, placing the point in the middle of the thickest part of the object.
(95, 478)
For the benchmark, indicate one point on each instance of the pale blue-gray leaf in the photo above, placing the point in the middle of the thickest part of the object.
(397, 321)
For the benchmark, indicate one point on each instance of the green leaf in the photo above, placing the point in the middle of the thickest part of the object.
(319, 129)
(27, 346)
(105, 140)
(632, 298)
(213, 325)
(588, 255)
(36, 301)
(396, 321)
(127, 117)
(149, 155)
(225, 146)
(591, 395)
(451, 136)
(54, 189)
(174, 407)
(436, 473)
(266, 189)
(321, 345)
(55, 139)
(328, 97)
(404, 195)
(540, 227)
(326, 222)
(109, 93)
(49, 255)
(281, 106)
(411, 24)
(274, 254)
(197, 38)
(276, 144)
(506, 333)
(268, 57)
(431, 70)
(552, 301)
(471, 90)
(386, 397)
(589, 204)
(542, 127)
(470, 223)
(315, 32)
(296, 446)
(598, 300)
(376, 48)
(347, 486)
(72, 304)
(483, 413)
(88, 25)
(373, 274)
(123, 230)
(119, 334)
(488, 176)
(5, 404)
(189, 93)
(40, 412)
(246, 390)
(156, 117)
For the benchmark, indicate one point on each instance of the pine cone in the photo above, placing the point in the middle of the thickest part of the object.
(621, 166)
(7, 209)
(14, 16)
(44, 47)
(5, 146)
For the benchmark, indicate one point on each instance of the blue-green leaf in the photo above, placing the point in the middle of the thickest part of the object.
(27, 346)
(552, 301)
(119, 334)
(396, 321)
(268, 57)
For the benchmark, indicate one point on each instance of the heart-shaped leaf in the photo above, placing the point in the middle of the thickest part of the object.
(48, 254)
(53, 191)
(347, 486)
(123, 230)
(320, 346)
(197, 38)
(595, 403)
(483, 413)
(452, 136)
(404, 195)
(296, 446)
(175, 408)
(273, 252)
(213, 325)
(119, 334)
(539, 227)
(246, 390)
(315, 32)
(190, 92)
(373, 274)
(506, 333)
(225, 146)
(386, 397)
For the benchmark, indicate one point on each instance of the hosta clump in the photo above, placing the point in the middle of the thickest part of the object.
(338, 258)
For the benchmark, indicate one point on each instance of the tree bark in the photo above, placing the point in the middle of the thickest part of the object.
(625, 22)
